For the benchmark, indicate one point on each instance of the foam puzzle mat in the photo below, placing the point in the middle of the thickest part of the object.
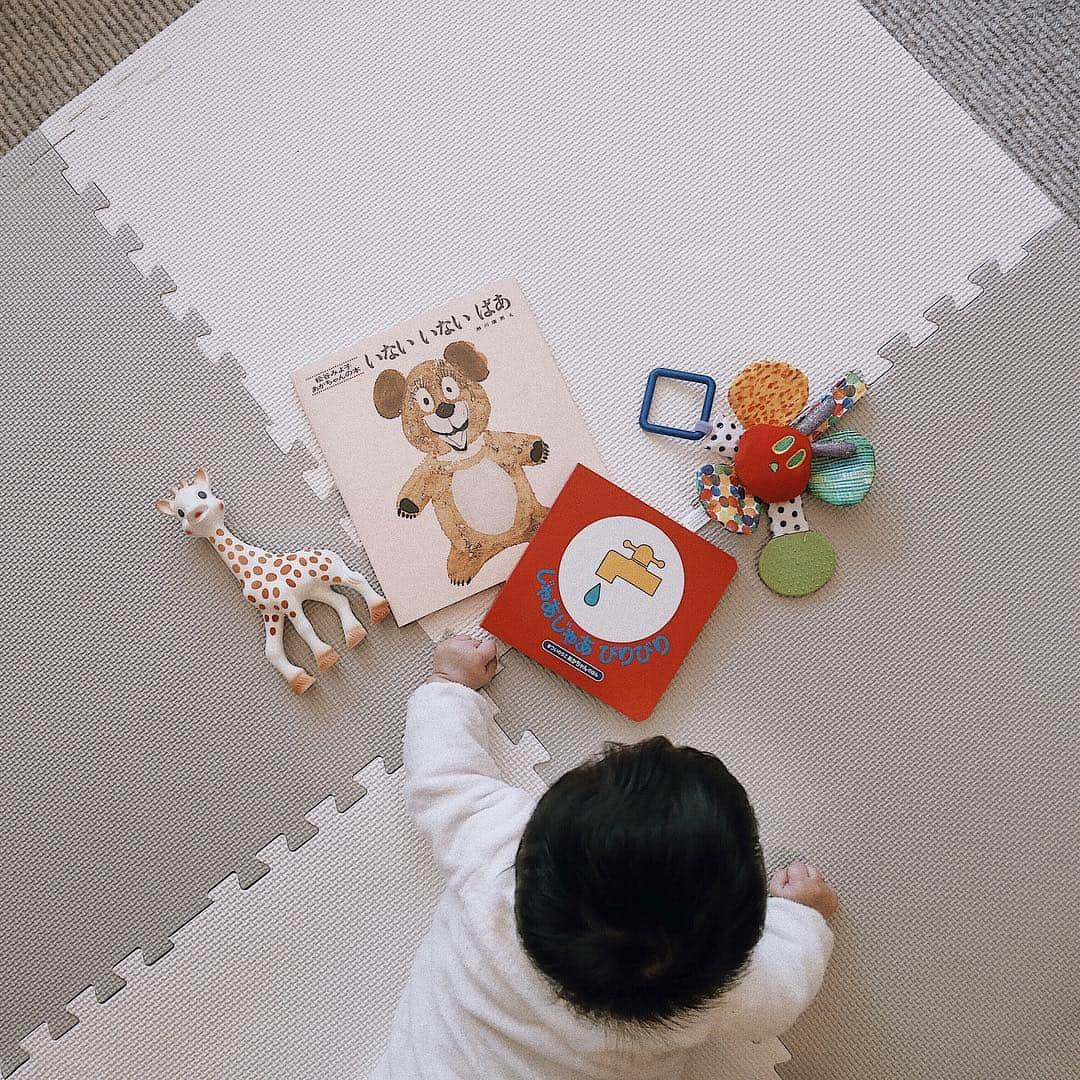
(183, 773)
(249, 114)
(157, 750)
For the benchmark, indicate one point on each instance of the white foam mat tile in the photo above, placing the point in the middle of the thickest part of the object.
(310, 174)
(299, 975)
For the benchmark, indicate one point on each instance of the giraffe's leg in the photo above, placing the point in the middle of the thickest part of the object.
(325, 655)
(298, 679)
(350, 624)
(377, 606)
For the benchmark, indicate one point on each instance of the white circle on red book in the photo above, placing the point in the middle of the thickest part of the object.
(611, 582)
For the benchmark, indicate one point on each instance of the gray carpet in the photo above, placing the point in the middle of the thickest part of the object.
(1014, 66)
(51, 50)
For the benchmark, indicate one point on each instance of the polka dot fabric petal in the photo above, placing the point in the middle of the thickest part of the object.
(787, 517)
(725, 501)
(768, 392)
(724, 438)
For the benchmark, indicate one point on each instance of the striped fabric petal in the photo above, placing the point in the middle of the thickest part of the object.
(843, 481)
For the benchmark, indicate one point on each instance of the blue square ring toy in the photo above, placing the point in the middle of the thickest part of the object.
(703, 426)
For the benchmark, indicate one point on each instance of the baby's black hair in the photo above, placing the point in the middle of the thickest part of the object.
(640, 887)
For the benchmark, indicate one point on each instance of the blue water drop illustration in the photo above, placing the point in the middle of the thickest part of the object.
(592, 597)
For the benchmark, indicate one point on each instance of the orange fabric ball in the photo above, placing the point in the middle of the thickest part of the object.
(773, 462)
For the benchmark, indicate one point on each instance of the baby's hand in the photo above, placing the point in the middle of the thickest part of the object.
(803, 883)
(464, 660)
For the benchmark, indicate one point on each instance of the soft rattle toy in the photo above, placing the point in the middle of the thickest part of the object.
(775, 448)
(277, 584)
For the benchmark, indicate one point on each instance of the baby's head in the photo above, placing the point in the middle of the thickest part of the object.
(640, 884)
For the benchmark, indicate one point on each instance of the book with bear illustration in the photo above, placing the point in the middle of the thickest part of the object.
(611, 594)
(449, 436)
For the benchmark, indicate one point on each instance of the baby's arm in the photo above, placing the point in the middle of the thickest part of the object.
(453, 787)
(789, 961)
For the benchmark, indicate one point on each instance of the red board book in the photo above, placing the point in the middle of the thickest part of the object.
(610, 594)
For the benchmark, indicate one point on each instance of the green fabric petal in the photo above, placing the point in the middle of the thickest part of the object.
(843, 481)
(796, 564)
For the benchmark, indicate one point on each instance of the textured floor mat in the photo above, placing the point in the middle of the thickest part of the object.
(325, 945)
(323, 941)
(688, 209)
(913, 726)
(861, 792)
(147, 747)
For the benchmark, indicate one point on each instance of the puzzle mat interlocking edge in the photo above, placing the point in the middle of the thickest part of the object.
(193, 766)
(568, 747)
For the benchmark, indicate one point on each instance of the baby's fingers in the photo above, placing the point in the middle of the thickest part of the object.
(778, 882)
(798, 872)
(487, 652)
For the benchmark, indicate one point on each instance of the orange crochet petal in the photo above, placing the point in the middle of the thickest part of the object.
(768, 392)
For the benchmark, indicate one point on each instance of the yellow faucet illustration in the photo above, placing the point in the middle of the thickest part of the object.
(634, 570)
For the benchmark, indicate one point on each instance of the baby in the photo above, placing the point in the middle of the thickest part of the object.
(604, 930)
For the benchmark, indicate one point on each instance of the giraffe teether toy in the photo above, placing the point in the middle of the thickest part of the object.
(277, 584)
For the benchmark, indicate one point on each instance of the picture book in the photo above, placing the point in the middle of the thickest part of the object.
(449, 436)
(610, 594)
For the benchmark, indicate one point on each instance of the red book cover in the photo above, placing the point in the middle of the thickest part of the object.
(610, 594)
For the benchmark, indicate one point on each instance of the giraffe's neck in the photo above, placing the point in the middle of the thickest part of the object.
(237, 555)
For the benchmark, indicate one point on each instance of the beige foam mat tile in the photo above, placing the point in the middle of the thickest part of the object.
(809, 216)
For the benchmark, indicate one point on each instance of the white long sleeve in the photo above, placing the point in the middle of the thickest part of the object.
(782, 978)
(453, 788)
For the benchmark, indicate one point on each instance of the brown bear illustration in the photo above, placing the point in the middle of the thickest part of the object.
(474, 478)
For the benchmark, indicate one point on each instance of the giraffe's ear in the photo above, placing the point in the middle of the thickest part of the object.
(202, 475)
(164, 506)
